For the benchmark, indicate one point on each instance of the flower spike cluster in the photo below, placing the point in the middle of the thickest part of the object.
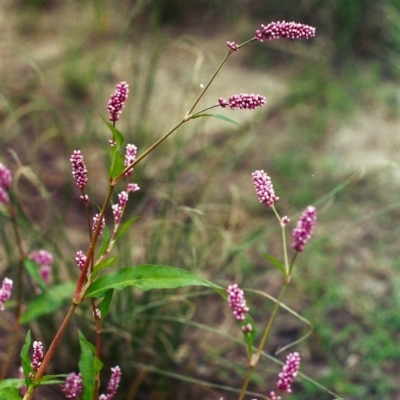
(243, 101)
(37, 357)
(289, 372)
(237, 302)
(5, 292)
(5, 183)
(44, 259)
(73, 386)
(304, 228)
(287, 30)
(264, 188)
(117, 101)
(287, 375)
(130, 157)
(79, 171)
(112, 384)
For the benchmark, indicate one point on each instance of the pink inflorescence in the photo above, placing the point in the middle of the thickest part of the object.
(289, 372)
(304, 228)
(133, 187)
(243, 101)
(287, 30)
(79, 171)
(237, 302)
(118, 208)
(232, 46)
(117, 101)
(130, 157)
(96, 221)
(80, 259)
(37, 356)
(73, 386)
(112, 384)
(264, 188)
(5, 292)
(5, 183)
(44, 259)
(41, 257)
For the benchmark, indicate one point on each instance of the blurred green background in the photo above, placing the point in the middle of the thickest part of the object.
(328, 136)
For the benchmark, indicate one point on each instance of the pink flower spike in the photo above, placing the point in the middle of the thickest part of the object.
(232, 46)
(112, 384)
(264, 188)
(123, 198)
(130, 157)
(79, 171)
(133, 187)
(5, 177)
(117, 212)
(37, 356)
(237, 302)
(243, 101)
(41, 257)
(287, 30)
(73, 387)
(304, 228)
(80, 259)
(117, 101)
(289, 372)
(96, 221)
(5, 292)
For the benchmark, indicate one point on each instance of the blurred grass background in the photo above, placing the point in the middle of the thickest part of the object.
(327, 137)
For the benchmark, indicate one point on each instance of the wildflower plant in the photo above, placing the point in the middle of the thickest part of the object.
(97, 284)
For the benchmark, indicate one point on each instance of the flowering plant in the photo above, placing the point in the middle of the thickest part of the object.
(92, 262)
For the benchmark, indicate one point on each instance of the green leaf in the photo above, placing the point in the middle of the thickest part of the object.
(25, 359)
(86, 367)
(116, 134)
(105, 304)
(106, 240)
(276, 263)
(125, 226)
(117, 164)
(9, 394)
(146, 277)
(33, 271)
(108, 262)
(49, 302)
(11, 383)
(249, 337)
(226, 119)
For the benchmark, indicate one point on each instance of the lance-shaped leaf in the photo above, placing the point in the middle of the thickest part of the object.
(9, 394)
(49, 302)
(25, 359)
(86, 367)
(148, 276)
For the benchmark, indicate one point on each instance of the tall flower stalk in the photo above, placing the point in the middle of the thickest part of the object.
(86, 261)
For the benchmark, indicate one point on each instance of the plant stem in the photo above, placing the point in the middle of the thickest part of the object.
(50, 352)
(256, 356)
